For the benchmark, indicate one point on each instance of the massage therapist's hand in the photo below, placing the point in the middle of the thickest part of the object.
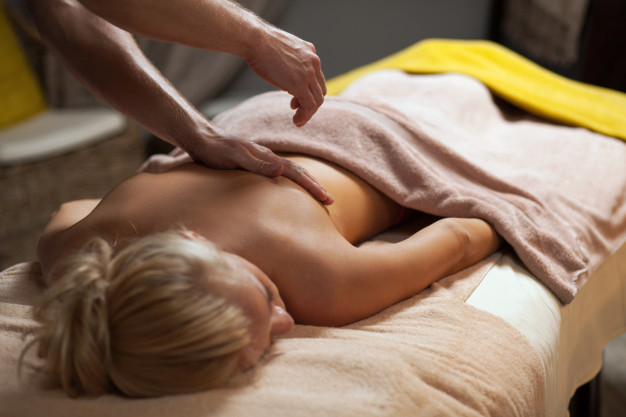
(104, 56)
(235, 153)
(291, 64)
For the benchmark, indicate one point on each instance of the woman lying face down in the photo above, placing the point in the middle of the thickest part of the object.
(173, 282)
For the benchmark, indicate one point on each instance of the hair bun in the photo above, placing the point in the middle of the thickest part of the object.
(74, 332)
(143, 322)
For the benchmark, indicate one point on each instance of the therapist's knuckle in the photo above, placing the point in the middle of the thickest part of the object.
(262, 149)
(296, 170)
(315, 61)
(311, 63)
(311, 46)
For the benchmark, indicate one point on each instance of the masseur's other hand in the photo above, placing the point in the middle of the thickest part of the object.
(229, 152)
(291, 64)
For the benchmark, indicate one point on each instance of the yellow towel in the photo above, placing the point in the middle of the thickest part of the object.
(20, 95)
(512, 77)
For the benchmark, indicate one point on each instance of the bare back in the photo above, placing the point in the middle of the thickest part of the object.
(307, 249)
(272, 222)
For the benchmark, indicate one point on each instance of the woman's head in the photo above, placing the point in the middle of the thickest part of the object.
(162, 316)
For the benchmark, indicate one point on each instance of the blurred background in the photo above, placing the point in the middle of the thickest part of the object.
(58, 143)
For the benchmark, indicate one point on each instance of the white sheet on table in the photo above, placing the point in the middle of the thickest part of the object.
(569, 339)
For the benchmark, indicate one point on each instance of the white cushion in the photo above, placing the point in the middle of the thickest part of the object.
(54, 132)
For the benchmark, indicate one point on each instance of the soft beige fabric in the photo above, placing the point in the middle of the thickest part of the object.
(431, 355)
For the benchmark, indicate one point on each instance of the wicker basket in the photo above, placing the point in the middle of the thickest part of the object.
(30, 192)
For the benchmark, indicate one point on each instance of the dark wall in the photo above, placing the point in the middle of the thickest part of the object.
(350, 33)
(602, 44)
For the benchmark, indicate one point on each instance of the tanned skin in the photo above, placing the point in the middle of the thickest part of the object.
(308, 249)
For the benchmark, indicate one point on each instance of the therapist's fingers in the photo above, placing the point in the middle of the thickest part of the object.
(260, 160)
(318, 93)
(228, 152)
(306, 108)
(310, 96)
(263, 161)
(307, 104)
(318, 85)
(301, 176)
(321, 80)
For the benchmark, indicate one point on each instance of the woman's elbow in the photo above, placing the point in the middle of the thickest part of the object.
(476, 238)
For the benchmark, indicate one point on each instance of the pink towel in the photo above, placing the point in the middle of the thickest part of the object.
(444, 145)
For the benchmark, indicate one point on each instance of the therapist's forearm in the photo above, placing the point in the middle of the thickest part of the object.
(217, 25)
(107, 60)
(280, 58)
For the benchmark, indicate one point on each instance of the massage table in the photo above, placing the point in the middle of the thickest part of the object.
(492, 339)
(568, 341)
(568, 338)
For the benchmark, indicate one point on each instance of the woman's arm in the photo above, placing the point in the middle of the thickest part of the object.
(362, 282)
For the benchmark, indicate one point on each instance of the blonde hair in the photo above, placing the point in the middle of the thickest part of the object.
(142, 322)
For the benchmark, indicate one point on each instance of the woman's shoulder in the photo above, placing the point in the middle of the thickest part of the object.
(61, 221)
